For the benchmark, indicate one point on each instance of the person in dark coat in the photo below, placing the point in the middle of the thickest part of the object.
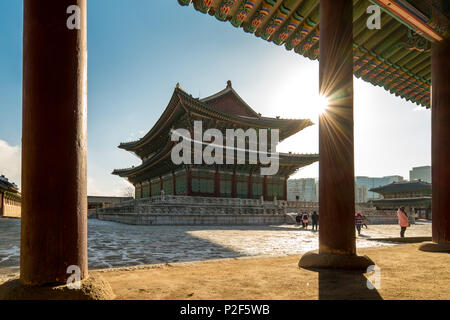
(298, 219)
(359, 222)
(315, 220)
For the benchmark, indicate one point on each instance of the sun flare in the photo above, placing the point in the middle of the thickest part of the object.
(321, 104)
(316, 106)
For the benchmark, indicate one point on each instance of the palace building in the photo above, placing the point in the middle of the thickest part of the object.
(414, 195)
(158, 174)
(10, 198)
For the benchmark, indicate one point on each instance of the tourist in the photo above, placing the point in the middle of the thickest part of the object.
(305, 219)
(364, 221)
(315, 220)
(402, 221)
(298, 219)
(359, 222)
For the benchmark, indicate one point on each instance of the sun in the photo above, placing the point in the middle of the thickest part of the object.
(317, 105)
(321, 104)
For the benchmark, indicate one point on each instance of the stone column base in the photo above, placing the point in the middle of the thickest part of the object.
(435, 247)
(313, 260)
(92, 288)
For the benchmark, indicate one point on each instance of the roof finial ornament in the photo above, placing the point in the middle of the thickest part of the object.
(178, 86)
(229, 84)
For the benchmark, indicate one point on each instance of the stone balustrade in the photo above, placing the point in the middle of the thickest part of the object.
(186, 207)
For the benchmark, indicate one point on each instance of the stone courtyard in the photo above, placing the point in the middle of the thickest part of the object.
(114, 245)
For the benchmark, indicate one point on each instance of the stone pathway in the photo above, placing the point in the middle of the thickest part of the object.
(114, 245)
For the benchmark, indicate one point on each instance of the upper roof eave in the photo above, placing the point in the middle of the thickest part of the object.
(229, 89)
(179, 95)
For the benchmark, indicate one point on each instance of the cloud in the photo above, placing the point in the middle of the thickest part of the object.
(136, 135)
(92, 188)
(419, 108)
(114, 187)
(10, 159)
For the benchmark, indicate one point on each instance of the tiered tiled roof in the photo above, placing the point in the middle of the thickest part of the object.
(7, 186)
(225, 107)
(404, 186)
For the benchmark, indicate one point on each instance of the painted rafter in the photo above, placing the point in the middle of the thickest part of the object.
(395, 58)
(399, 11)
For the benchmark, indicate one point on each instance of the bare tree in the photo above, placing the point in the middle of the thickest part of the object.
(128, 191)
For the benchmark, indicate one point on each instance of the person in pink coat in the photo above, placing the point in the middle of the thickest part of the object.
(402, 221)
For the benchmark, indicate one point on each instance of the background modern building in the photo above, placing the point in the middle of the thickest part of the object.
(374, 182)
(420, 173)
(361, 193)
(302, 190)
(307, 189)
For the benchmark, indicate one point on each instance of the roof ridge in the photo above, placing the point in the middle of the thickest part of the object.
(228, 89)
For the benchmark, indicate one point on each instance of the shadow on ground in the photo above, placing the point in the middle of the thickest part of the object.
(345, 285)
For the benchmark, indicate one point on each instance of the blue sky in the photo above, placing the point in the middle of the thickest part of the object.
(138, 50)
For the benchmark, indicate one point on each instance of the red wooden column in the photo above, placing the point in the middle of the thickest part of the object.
(265, 188)
(2, 204)
(285, 187)
(188, 182)
(174, 184)
(337, 243)
(440, 145)
(217, 184)
(149, 188)
(250, 186)
(234, 185)
(336, 171)
(54, 205)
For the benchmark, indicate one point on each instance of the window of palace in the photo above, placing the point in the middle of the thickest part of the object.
(137, 192)
(181, 182)
(275, 187)
(156, 187)
(168, 184)
(145, 190)
(203, 182)
(226, 184)
(242, 189)
(257, 187)
(241, 185)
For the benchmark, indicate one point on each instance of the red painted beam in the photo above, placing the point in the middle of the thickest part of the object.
(403, 14)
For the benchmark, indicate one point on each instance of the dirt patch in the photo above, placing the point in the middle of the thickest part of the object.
(405, 273)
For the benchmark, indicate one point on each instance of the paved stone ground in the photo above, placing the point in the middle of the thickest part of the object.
(114, 245)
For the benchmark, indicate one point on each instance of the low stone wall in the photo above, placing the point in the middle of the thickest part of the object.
(184, 210)
(194, 219)
(373, 216)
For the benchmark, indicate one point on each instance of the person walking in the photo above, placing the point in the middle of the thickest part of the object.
(359, 222)
(298, 219)
(305, 219)
(364, 221)
(402, 221)
(315, 220)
